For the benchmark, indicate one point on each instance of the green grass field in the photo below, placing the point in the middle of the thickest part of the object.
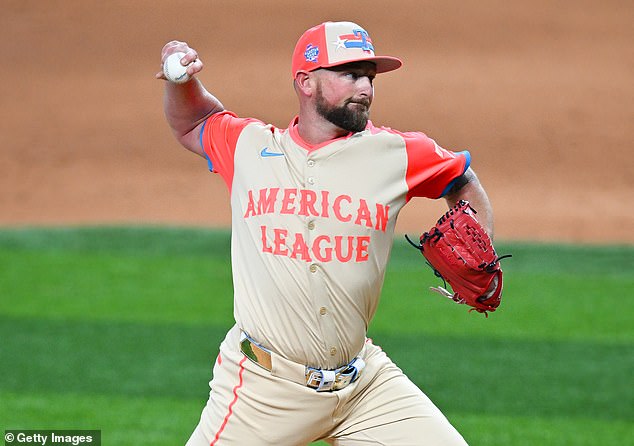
(115, 329)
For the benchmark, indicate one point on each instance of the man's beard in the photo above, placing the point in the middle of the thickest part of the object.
(350, 118)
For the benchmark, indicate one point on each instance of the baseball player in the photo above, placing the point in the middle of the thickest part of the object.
(314, 207)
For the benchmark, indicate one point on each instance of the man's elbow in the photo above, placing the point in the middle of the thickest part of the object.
(461, 186)
(191, 140)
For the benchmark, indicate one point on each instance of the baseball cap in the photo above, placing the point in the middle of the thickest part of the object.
(335, 43)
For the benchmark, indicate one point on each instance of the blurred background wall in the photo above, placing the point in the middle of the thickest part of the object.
(541, 93)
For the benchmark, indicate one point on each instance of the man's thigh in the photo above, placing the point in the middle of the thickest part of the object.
(432, 431)
(249, 406)
(389, 409)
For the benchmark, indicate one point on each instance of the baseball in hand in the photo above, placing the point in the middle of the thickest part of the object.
(173, 70)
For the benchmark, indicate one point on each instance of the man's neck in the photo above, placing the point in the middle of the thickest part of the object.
(314, 129)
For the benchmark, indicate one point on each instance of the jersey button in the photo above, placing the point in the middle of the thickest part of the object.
(311, 180)
(333, 351)
(311, 225)
(313, 268)
(310, 163)
(323, 311)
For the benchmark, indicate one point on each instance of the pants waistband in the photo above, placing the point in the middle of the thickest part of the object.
(318, 379)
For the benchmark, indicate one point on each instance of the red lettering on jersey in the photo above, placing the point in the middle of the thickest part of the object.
(382, 216)
(339, 248)
(265, 246)
(363, 244)
(307, 200)
(363, 214)
(325, 203)
(279, 241)
(300, 249)
(288, 201)
(317, 249)
(307, 203)
(344, 247)
(266, 204)
(250, 206)
(336, 208)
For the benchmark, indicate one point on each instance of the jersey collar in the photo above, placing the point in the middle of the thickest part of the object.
(292, 130)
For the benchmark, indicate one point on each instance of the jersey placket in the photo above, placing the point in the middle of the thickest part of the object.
(322, 306)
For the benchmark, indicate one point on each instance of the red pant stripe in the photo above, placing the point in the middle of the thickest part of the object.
(235, 398)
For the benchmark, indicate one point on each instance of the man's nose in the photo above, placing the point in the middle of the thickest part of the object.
(365, 86)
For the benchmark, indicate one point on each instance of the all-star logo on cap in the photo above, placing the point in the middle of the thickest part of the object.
(336, 43)
(312, 53)
(358, 39)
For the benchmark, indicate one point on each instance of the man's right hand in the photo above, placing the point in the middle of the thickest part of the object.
(190, 58)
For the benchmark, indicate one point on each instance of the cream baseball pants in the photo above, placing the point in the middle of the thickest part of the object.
(249, 406)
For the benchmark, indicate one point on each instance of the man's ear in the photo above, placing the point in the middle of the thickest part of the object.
(304, 83)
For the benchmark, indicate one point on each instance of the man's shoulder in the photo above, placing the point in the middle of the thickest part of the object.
(229, 122)
(409, 135)
(230, 117)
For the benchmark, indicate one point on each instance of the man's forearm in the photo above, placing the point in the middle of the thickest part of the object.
(474, 193)
(186, 106)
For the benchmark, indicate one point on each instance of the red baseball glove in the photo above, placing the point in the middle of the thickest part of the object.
(461, 253)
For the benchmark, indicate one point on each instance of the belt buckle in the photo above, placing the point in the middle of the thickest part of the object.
(313, 378)
(321, 380)
(342, 381)
(329, 380)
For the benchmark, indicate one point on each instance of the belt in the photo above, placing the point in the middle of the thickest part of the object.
(318, 379)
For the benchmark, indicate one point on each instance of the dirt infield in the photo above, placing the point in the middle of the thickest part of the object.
(540, 92)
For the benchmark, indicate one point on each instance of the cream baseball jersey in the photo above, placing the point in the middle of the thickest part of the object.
(312, 227)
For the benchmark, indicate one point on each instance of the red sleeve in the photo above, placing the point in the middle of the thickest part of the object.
(431, 169)
(219, 137)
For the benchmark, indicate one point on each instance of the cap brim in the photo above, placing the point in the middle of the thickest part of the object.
(383, 63)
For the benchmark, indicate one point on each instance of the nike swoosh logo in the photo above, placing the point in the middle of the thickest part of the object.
(265, 152)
